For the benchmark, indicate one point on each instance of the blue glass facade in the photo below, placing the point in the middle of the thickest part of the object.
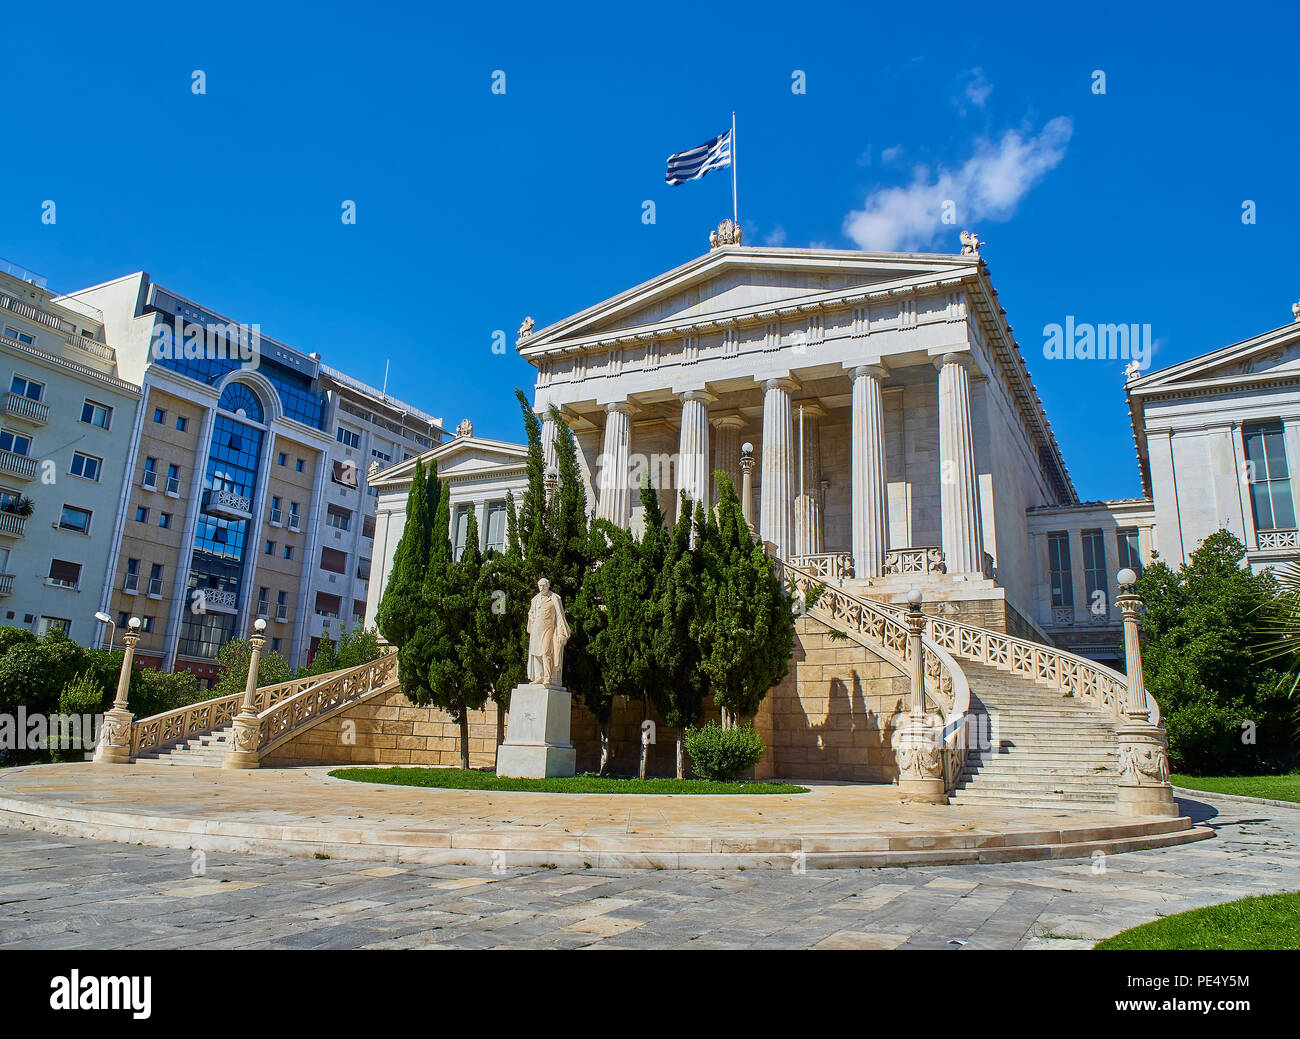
(219, 553)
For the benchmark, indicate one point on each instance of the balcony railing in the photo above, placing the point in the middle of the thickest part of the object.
(276, 518)
(12, 464)
(214, 600)
(32, 313)
(131, 584)
(24, 408)
(6, 584)
(99, 351)
(263, 608)
(294, 522)
(11, 524)
(829, 566)
(155, 588)
(227, 504)
(149, 480)
(1274, 540)
(173, 487)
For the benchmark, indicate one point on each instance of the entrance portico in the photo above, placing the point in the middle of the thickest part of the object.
(897, 434)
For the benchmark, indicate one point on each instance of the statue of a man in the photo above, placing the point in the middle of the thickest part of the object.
(548, 631)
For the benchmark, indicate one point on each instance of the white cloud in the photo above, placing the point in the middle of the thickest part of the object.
(978, 88)
(987, 188)
(776, 236)
(890, 154)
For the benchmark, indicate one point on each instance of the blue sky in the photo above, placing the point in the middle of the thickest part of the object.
(474, 209)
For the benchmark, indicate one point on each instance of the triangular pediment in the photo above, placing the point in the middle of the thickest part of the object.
(1275, 354)
(459, 457)
(734, 280)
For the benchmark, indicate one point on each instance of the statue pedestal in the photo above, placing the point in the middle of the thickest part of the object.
(537, 742)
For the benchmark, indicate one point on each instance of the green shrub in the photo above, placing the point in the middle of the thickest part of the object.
(723, 754)
(82, 697)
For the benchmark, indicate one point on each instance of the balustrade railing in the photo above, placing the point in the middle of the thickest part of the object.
(279, 722)
(829, 566)
(915, 560)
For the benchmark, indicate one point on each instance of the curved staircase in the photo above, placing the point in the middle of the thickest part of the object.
(206, 751)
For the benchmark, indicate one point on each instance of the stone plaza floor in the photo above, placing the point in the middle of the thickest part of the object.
(59, 892)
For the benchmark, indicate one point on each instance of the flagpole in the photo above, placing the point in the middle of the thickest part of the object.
(735, 212)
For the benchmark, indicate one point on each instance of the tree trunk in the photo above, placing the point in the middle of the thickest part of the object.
(501, 733)
(681, 754)
(604, 748)
(464, 739)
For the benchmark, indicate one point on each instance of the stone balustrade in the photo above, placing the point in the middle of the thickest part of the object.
(916, 560)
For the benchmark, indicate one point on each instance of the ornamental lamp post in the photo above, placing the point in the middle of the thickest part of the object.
(916, 748)
(245, 734)
(114, 747)
(1143, 750)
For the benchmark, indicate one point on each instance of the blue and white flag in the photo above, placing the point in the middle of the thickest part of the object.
(696, 162)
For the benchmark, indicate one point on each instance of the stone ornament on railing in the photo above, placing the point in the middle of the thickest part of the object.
(915, 561)
(828, 566)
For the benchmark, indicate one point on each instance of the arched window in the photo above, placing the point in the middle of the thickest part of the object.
(238, 399)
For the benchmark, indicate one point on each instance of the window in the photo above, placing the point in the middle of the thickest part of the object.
(281, 458)
(368, 527)
(64, 574)
(146, 624)
(1129, 550)
(141, 514)
(298, 465)
(333, 560)
(160, 415)
(86, 466)
(348, 438)
(1269, 478)
(496, 526)
(18, 443)
(123, 619)
(156, 581)
(174, 480)
(49, 624)
(1094, 573)
(293, 515)
(275, 645)
(75, 519)
(149, 478)
(382, 456)
(164, 519)
(22, 337)
(328, 605)
(182, 423)
(462, 530)
(263, 601)
(93, 414)
(363, 569)
(270, 548)
(131, 582)
(1058, 562)
(25, 387)
(288, 551)
(277, 515)
(339, 517)
(281, 606)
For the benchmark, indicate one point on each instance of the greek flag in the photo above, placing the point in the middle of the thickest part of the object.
(696, 162)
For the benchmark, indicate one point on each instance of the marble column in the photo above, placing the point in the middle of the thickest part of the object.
(870, 515)
(963, 539)
(726, 450)
(776, 490)
(806, 416)
(548, 442)
(615, 465)
(693, 448)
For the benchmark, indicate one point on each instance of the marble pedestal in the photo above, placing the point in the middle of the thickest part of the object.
(537, 742)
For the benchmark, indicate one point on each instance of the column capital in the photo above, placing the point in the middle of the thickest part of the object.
(779, 382)
(701, 395)
(961, 357)
(620, 407)
(876, 370)
(728, 422)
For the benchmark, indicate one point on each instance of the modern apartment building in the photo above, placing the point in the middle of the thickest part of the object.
(211, 475)
(65, 426)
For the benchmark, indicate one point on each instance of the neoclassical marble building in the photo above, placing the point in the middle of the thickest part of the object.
(895, 428)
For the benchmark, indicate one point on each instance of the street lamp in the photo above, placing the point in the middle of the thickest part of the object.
(245, 737)
(104, 618)
(115, 738)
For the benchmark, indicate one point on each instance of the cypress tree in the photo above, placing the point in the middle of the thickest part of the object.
(745, 627)
(401, 609)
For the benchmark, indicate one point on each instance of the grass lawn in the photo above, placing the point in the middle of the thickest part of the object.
(1262, 922)
(460, 779)
(1276, 788)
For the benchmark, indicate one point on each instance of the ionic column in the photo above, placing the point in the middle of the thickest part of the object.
(615, 456)
(963, 539)
(726, 450)
(870, 526)
(693, 447)
(776, 491)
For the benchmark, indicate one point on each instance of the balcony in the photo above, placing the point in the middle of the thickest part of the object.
(11, 524)
(227, 504)
(92, 348)
(25, 409)
(6, 584)
(1278, 540)
(213, 600)
(17, 465)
